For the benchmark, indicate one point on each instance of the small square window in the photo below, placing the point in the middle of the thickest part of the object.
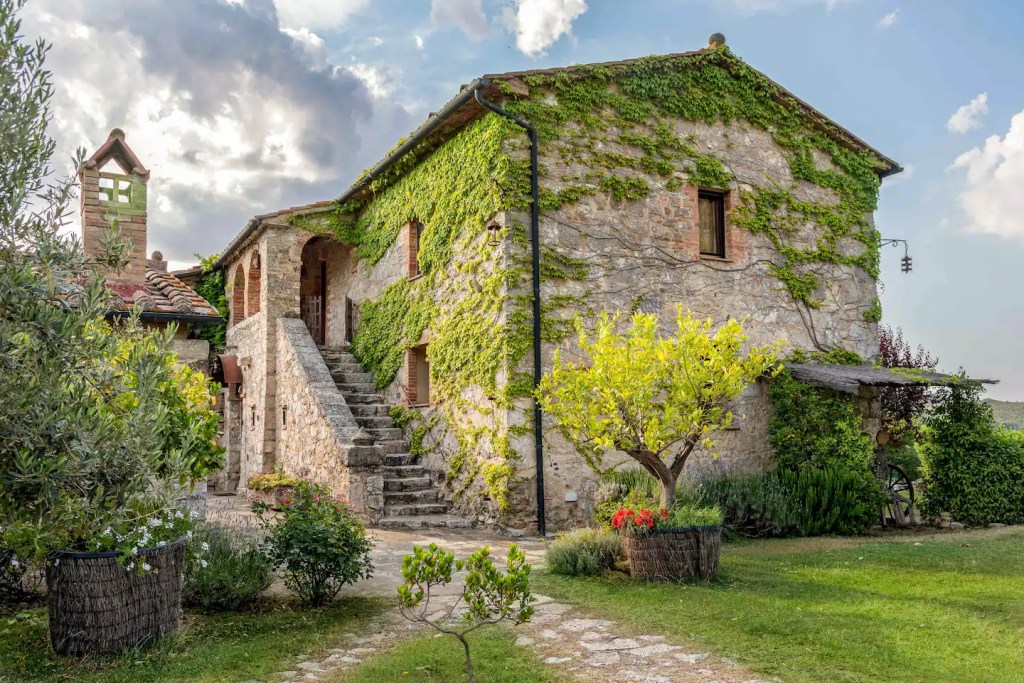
(711, 220)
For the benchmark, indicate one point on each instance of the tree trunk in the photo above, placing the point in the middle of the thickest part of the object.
(660, 471)
(668, 491)
(469, 662)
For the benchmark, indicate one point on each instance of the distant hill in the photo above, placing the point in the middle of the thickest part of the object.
(1009, 413)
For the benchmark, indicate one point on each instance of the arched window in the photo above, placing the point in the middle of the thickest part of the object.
(238, 296)
(252, 288)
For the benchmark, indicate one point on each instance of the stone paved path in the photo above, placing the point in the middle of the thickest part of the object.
(561, 634)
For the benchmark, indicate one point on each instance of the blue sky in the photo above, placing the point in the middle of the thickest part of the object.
(283, 103)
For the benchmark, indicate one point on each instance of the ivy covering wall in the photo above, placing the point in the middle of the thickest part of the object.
(471, 295)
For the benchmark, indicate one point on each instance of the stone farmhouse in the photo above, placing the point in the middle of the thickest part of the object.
(385, 340)
(113, 191)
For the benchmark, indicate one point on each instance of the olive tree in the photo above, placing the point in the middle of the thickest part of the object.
(655, 398)
(96, 420)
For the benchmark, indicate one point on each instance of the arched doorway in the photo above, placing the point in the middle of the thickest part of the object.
(322, 289)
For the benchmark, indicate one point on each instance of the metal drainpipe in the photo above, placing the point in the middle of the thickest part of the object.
(535, 258)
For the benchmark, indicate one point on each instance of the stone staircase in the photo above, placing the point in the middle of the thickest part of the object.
(412, 498)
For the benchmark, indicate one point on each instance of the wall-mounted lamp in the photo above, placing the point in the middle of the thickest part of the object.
(493, 234)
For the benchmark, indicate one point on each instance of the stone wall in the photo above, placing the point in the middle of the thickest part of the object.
(194, 353)
(643, 254)
(316, 429)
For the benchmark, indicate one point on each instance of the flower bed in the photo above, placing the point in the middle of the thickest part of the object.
(96, 605)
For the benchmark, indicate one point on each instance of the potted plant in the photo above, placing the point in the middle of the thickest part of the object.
(671, 545)
(271, 488)
(653, 398)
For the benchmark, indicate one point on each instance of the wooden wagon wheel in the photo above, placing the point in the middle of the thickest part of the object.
(899, 506)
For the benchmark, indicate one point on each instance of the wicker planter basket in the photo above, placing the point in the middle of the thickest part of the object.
(678, 555)
(98, 606)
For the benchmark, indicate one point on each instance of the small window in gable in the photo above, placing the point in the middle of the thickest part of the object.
(711, 220)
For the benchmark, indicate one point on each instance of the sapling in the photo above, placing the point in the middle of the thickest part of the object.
(488, 595)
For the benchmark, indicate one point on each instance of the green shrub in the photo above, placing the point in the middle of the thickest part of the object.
(318, 541)
(583, 552)
(266, 481)
(689, 515)
(779, 503)
(815, 428)
(973, 469)
(229, 571)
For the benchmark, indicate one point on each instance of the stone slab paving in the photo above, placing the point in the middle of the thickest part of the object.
(561, 634)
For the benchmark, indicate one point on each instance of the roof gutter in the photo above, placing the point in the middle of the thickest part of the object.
(153, 316)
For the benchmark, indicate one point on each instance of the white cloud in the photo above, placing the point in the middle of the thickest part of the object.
(233, 114)
(376, 41)
(993, 201)
(419, 42)
(889, 19)
(539, 23)
(969, 116)
(468, 15)
(378, 81)
(311, 43)
(317, 14)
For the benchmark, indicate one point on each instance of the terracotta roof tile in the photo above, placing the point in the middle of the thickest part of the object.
(163, 293)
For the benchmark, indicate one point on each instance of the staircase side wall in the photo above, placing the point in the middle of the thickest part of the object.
(316, 430)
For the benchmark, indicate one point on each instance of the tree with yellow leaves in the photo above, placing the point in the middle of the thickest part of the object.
(652, 397)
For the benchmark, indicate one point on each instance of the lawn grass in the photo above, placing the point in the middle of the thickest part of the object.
(496, 659)
(928, 609)
(211, 648)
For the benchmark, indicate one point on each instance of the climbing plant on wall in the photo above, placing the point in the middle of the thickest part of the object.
(470, 295)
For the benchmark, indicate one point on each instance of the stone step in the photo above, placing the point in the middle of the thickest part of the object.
(413, 509)
(404, 471)
(375, 421)
(352, 377)
(370, 410)
(387, 447)
(430, 495)
(364, 398)
(399, 459)
(407, 484)
(423, 522)
(385, 433)
(339, 367)
(355, 388)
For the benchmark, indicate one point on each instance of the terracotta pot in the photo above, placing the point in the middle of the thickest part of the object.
(98, 606)
(678, 555)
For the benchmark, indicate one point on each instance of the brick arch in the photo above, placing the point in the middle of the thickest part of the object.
(252, 285)
(238, 296)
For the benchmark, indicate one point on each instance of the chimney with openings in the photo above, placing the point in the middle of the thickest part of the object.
(113, 191)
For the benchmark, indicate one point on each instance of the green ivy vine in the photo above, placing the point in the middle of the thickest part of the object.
(471, 298)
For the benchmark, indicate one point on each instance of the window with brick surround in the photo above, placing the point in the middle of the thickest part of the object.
(415, 234)
(417, 375)
(711, 221)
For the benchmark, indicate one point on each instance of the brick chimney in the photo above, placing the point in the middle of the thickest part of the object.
(110, 197)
